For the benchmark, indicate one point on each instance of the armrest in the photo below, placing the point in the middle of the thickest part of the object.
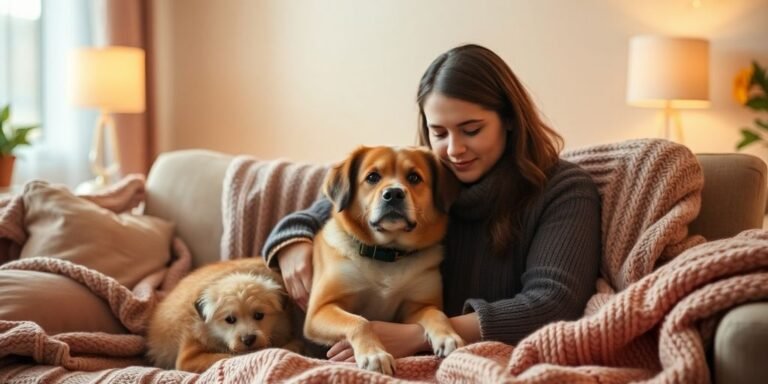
(734, 194)
(733, 200)
(741, 345)
(185, 187)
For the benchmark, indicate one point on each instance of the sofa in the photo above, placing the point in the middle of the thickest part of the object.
(185, 187)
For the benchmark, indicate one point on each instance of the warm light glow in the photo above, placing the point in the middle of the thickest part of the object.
(676, 104)
(110, 78)
(668, 71)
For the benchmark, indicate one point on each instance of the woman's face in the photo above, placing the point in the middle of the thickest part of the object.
(467, 137)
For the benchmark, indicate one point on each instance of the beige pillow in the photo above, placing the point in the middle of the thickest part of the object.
(56, 303)
(126, 247)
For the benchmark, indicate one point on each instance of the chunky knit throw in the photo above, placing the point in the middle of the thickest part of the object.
(659, 290)
(257, 194)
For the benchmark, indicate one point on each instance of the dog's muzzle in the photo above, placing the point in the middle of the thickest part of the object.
(248, 339)
(391, 210)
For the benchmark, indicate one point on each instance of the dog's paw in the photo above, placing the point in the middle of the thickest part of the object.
(377, 360)
(443, 343)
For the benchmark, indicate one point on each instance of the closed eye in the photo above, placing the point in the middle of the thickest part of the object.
(438, 134)
(472, 132)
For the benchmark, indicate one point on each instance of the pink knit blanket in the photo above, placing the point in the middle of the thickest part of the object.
(257, 194)
(670, 286)
(133, 307)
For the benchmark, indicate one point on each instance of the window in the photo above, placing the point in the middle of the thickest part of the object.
(20, 59)
(37, 38)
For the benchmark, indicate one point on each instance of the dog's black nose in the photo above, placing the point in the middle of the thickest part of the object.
(393, 194)
(248, 340)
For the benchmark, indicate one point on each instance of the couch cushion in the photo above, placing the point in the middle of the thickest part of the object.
(185, 187)
(126, 247)
(56, 303)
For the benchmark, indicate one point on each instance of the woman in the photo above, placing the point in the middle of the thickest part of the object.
(523, 243)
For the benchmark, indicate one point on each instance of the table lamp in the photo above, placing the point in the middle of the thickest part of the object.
(112, 80)
(670, 73)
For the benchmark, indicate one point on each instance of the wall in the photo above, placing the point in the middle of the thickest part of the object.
(310, 80)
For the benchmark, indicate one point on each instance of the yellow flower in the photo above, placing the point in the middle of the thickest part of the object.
(741, 85)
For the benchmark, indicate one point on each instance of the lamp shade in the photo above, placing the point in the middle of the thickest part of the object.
(110, 78)
(668, 71)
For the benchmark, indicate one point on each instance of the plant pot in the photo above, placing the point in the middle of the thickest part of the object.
(6, 170)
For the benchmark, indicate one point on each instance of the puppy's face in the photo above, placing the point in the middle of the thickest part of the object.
(241, 310)
(396, 197)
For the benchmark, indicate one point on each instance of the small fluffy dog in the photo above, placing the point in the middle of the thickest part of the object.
(218, 311)
(378, 256)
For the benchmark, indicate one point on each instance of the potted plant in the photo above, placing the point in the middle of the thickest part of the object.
(10, 138)
(750, 88)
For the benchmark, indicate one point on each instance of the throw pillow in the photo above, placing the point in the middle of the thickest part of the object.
(56, 303)
(125, 247)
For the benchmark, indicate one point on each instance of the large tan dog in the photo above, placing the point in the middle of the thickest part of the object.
(378, 256)
(218, 311)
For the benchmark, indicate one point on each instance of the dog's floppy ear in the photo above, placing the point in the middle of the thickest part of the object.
(199, 307)
(445, 185)
(340, 182)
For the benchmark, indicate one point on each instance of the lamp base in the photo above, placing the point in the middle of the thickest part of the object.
(104, 156)
(673, 127)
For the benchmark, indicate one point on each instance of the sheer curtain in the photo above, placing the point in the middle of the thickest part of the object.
(19, 59)
(60, 153)
(20, 56)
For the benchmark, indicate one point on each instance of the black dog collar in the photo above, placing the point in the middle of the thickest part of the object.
(389, 255)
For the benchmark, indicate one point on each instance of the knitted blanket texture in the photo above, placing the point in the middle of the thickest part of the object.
(650, 320)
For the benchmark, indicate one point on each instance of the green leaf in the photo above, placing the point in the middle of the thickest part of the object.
(747, 137)
(12, 137)
(759, 77)
(5, 114)
(758, 72)
(758, 102)
(17, 137)
(762, 124)
(18, 140)
(3, 139)
(26, 128)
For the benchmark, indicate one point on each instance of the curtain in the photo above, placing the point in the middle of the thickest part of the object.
(126, 24)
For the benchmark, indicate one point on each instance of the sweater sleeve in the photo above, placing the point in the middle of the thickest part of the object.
(296, 227)
(561, 265)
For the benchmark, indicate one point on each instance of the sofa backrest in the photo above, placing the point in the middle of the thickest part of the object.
(185, 187)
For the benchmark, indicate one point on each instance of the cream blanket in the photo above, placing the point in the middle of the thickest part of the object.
(650, 330)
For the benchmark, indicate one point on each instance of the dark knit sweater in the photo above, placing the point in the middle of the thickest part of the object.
(546, 275)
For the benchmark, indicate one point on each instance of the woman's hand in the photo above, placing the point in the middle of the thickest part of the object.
(295, 262)
(400, 340)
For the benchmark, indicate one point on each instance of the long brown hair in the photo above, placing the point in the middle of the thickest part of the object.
(477, 75)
